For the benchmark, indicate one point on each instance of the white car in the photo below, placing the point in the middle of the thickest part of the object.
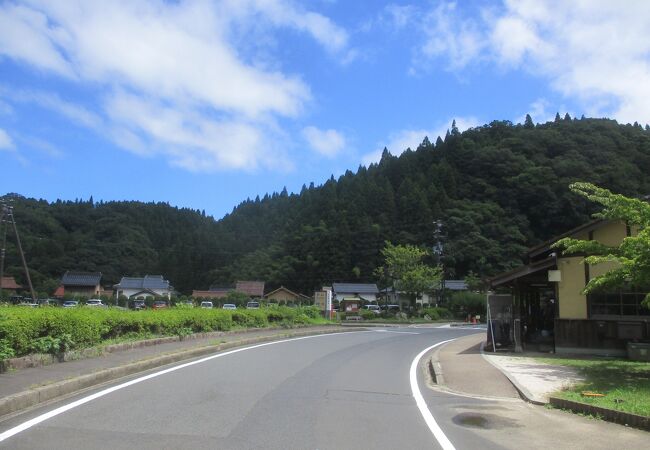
(95, 302)
(207, 305)
(229, 306)
(373, 308)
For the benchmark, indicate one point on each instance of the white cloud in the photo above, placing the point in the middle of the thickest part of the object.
(5, 141)
(399, 141)
(188, 139)
(326, 142)
(76, 113)
(539, 112)
(171, 57)
(447, 33)
(597, 52)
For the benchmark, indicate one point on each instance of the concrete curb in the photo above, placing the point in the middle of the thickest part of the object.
(36, 396)
(523, 392)
(39, 360)
(435, 369)
(610, 415)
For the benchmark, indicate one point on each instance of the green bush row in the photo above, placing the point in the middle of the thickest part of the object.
(437, 313)
(53, 330)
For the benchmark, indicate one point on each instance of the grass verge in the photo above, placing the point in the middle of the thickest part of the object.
(625, 384)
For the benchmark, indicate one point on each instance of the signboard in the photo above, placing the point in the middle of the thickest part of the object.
(554, 275)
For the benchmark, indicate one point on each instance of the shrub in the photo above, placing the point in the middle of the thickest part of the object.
(56, 330)
(367, 315)
(437, 313)
(463, 304)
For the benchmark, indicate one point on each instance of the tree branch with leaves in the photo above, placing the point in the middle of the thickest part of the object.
(631, 258)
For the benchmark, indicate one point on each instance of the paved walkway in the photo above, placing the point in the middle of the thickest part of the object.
(466, 369)
(535, 379)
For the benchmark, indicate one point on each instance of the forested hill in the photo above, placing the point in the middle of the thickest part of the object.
(497, 189)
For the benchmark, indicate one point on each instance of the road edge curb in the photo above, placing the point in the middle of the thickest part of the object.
(523, 392)
(610, 415)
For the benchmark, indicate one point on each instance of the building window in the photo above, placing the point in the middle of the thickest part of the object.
(621, 303)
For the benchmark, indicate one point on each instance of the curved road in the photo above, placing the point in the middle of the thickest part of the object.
(349, 390)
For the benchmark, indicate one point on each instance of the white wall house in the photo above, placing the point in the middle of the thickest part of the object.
(148, 286)
(365, 291)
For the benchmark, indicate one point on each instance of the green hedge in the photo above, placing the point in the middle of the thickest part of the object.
(28, 330)
(437, 313)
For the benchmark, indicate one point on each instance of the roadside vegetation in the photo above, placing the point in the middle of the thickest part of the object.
(625, 385)
(55, 330)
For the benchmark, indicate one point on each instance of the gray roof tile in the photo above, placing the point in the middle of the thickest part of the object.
(147, 282)
(71, 278)
(355, 288)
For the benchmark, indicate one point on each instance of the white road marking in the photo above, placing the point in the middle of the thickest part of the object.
(55, 412)
(396, 332)
(437, 432)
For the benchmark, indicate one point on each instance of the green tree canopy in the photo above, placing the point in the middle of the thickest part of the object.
(405, 267)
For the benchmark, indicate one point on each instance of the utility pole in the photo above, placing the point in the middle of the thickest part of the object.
(7, 217)
(438, 250)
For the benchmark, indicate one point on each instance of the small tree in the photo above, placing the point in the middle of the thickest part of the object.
(404, 266)
(632, 257)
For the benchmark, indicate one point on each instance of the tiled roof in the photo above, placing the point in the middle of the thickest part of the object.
(9, 283)
(355, 288)
(71, 278)
(282, 288)
(210, 294)
(221, 289)
(252, 288)
(148, 282)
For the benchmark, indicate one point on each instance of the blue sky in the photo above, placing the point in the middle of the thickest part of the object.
(205, 103)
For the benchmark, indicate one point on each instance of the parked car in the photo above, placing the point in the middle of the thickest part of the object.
(95, 302)
(252, 305)
(138, 305)
(390, 308)
(373, 308)
(70, 304)
(28, 304)
(48, 302)
(160, 304)
(229, 306)
(207, 305)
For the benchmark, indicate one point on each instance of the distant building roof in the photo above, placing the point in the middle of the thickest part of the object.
(355, 288)
(456, 285)
(252, 288)
(284, 289)
(71, 278)
(210, 294)
(220, 289)
(60, 292)
(147, 282)
(9, 283)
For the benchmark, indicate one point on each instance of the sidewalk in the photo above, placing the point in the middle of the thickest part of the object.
(467, 370)
(21, 389)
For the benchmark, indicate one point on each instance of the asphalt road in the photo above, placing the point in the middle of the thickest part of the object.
(335, 391)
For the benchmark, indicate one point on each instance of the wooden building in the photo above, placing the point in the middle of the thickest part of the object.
(553, 312)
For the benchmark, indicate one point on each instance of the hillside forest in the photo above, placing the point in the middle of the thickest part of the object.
(497, 189)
